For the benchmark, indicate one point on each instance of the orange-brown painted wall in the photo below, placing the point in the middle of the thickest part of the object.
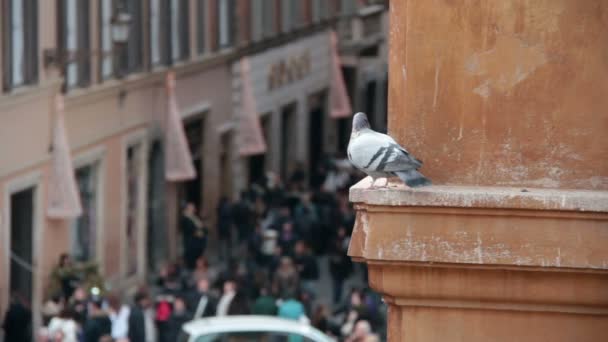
(502, 92)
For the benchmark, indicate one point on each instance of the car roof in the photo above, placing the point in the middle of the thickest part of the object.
(251, 323)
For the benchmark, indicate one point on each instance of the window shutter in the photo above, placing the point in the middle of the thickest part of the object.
(165, 32)
(201, 22)
(6, 47)
(184, 24)
(84, 57)
(31, 40)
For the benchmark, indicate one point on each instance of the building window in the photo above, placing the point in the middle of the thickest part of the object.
(74, 40)
(132, 56)
(158, 32)
(201, 22)
(348, 7)
(297, 13)
(180, 24)
(270, 20)
(133, 198)
(225, 10)
(105, 19)
(20, 43)
(286, 15)
(321, 9)
(84, 228)
(257, 20)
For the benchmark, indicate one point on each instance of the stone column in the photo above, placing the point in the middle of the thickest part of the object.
(506, 104)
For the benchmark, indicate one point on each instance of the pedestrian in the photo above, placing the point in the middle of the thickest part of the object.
(17, 323)
(320, 318)
(362, 332)
(288, 238)
(78, 303)
(286, 281)
(202, 271)
(224, 226)
(307, 266)
(201, 302)
(119, 316)
(306, 218)
(65, 272)
(232, 302)
(64, 325)
(293, 309)
(98, 324)
(179, 316)
(265, 304)
(340, 265)
(242, 218)
(141, 322)
(194, 235)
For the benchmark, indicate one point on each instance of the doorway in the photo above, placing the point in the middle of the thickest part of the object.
(316, 134)
(226, 164)
(21, 246)
(84, 228)
(192, 190)
(258, 164)
(288, 140)
(157, 219)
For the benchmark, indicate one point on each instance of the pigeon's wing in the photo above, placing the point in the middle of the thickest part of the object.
(396, 158)
(374, 151)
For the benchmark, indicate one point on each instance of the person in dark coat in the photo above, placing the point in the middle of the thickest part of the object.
(98, 323)
(242, 217)
(340, 265)
(232, 301)
(17, 323)
(194, 235)
(201, 303)
(307, 267)
(179, 316)
(224, 226)
(265, 304)
(137, 318)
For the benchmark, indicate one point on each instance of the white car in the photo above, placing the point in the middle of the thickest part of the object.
(250, 329)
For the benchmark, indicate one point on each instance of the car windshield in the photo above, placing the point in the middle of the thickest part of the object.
(256, 336)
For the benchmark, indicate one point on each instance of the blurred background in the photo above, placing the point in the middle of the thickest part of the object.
(168, 160)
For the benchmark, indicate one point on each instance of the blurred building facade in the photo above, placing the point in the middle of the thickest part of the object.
(115, 99)
(507, 111)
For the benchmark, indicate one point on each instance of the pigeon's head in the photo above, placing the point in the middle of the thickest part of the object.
(360, 122)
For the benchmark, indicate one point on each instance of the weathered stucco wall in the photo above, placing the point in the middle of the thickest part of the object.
(502, 92)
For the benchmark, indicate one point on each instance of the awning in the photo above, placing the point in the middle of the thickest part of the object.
(63, 198)
(178, 159)
(338, 96)
(251, 138)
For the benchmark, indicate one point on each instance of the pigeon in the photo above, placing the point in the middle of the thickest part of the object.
(379, 155)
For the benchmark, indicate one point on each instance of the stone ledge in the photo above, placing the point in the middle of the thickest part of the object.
(398, 194)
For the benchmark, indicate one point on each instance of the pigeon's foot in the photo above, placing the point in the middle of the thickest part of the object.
(374, 181)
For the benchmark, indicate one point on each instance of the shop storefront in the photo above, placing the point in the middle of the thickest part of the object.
(289, 85)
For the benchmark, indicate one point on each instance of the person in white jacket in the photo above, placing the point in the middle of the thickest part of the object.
(119, 315)
(64, 325)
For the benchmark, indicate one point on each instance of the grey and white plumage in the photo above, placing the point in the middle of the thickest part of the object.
(380, 156)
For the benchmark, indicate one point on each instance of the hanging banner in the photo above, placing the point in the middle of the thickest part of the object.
(63, 198)
(338, 96)
(178, 159)
(251, 138)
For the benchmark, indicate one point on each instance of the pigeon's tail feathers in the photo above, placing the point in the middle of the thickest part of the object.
(413, 178)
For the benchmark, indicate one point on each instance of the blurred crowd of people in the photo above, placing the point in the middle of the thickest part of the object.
(271, 242)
